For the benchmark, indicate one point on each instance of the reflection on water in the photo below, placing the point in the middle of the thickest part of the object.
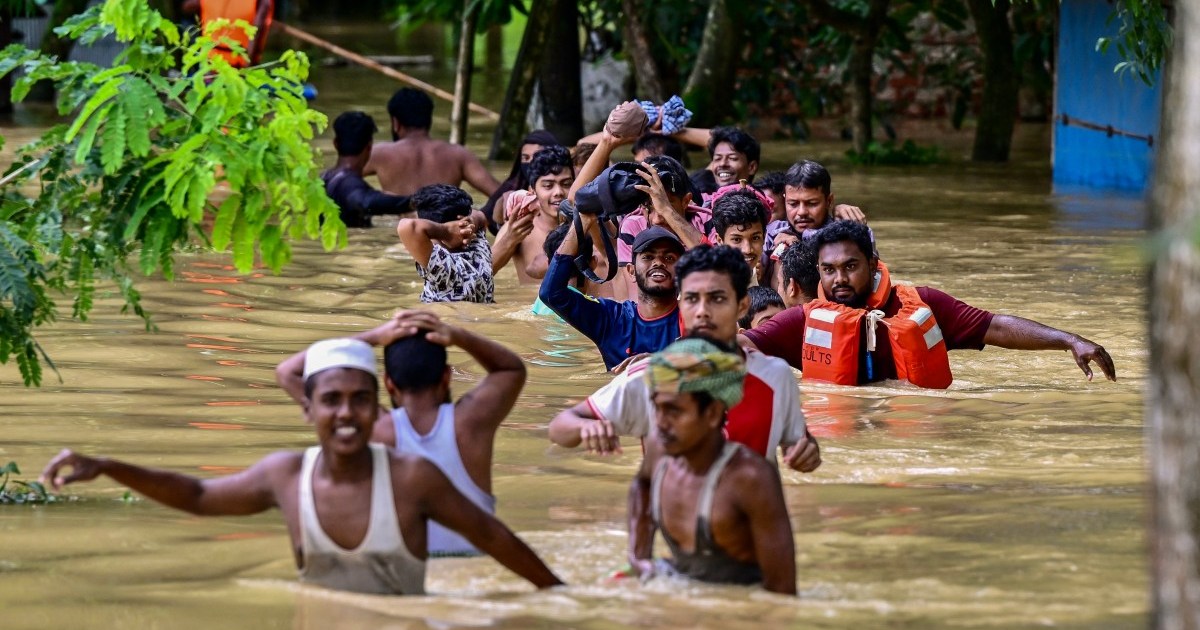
(1014, 499)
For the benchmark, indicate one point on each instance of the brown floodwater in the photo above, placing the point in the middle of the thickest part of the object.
(1014, 499)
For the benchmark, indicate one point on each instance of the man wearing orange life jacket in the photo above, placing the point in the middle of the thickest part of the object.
(257, 13)
(862, 329)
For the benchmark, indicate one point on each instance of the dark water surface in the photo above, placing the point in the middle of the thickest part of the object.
(1014, 499)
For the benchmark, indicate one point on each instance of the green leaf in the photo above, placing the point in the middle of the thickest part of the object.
(222, 230)
(102, 96)
(88, 138)
(112, 147)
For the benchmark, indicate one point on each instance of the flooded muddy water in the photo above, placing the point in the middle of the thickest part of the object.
(1014, 499)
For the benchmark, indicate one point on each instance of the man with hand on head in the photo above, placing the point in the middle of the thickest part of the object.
(448, 244)
(457, 437)
(356, 512)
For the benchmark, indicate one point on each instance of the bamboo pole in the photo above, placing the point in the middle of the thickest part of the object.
(462, 75)
(380, 68)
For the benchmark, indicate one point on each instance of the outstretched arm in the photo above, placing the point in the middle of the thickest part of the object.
(477, 175)
(442, 502)
(247, 492)
(1018, 333)
(579, 425)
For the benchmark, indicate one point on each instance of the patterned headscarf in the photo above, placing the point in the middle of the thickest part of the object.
(696, 365)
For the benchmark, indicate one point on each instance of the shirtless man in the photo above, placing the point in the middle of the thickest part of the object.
(532, 214)
(719, 506)
(414, 159)
(457, 437)
(356, 512)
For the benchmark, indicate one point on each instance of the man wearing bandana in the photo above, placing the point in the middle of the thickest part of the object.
(719, 506)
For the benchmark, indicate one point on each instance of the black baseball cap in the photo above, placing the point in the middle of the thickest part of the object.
(648, 236)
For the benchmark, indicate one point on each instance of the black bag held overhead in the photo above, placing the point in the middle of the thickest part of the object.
(611, 196)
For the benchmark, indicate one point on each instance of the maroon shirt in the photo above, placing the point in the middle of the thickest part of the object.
(963, 327)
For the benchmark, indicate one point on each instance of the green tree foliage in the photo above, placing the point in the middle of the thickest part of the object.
(169, 148)
(1143, 38)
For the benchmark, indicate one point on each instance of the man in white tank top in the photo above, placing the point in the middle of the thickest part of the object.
(356, 512)
(457, 437)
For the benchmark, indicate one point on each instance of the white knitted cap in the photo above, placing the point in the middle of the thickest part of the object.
(335, 353)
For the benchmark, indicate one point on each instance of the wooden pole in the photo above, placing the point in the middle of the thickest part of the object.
(382, 69)
(462, 75)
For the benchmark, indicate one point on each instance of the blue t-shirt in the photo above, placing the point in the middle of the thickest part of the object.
(615, 327)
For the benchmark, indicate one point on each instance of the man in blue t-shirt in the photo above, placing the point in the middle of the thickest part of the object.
(620, 329)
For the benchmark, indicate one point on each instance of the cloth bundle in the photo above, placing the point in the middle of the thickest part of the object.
(675, 116)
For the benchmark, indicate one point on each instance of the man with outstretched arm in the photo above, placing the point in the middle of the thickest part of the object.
(457, 437)
(863, 329)
(713, 285)
(356, 512)
(719, 507)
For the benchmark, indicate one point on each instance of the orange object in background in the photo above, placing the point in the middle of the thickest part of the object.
(233, 10)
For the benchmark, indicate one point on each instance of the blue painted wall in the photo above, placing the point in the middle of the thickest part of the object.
(1089, 90)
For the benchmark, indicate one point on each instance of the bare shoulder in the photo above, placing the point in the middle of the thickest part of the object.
(412, 471)
(279, 466)
(750, 475)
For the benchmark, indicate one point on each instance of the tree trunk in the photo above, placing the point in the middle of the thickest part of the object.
(646, 71)
(1174, 384)
(494, 51)
(998, 104)
(865, 32)
(561, 92)
(861, 92)
(54, 45)
(710, 84)
(6, 37)
(462, 75)
(511, 128)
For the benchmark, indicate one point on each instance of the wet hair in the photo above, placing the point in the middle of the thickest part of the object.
(741, 142)
(352, 132)
(808, 174)
(581, 153)
(840, 231)
(553, 241)
(771, 182)
(441, 203)
(414, 363)
(799, 262)
(411, 108)
(517, 176)
(761, 298)
(658, 144)
(722, 259)
(736, 209)
(549, 161)
(674, 177)
(310, 384)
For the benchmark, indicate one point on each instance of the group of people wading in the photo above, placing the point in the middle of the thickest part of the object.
(720, 287)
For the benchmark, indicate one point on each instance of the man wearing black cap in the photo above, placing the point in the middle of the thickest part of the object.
(621, 329)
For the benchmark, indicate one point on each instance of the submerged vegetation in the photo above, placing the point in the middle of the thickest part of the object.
(169, 147)
(16, 491)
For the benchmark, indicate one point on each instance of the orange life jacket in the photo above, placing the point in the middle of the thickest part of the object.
(234, 10)
(832, 332)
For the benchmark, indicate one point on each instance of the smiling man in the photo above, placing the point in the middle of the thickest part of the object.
(910, 328)
(530, 215)
(733, 156)
(356, 512)
(620, 329)
(713, 285)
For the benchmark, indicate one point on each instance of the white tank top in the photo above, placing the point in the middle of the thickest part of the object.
(381, 564)
(440, 446)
